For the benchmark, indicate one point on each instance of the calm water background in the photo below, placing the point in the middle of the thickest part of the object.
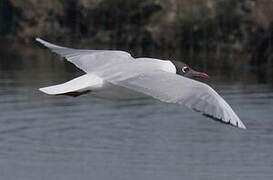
(63, 138)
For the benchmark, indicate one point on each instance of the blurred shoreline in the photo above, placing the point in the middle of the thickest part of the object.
(219, 35)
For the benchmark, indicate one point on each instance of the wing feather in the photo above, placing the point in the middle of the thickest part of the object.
(173, 88)
(89, 60)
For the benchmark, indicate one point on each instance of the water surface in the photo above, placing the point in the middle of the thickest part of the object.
(63, 138)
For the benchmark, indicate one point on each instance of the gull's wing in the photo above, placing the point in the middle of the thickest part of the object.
(89, 60)
(173, 88)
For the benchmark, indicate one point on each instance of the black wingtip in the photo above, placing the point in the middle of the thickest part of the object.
(221, 121)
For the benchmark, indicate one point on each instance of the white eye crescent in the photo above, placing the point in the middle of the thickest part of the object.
(185, 69)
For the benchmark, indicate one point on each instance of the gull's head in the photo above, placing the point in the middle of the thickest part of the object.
(184, 70)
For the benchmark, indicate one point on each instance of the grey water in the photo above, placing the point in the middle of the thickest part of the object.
(64, 138)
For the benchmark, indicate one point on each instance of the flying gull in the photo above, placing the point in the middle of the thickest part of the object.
(166, 80)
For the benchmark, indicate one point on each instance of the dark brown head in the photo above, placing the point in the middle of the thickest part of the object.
(184, 70)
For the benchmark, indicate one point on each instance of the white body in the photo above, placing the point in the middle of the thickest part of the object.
(101, 88)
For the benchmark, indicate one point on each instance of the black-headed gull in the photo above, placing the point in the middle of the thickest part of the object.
(165, 80)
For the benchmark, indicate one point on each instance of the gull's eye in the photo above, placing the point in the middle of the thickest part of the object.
(185, 69)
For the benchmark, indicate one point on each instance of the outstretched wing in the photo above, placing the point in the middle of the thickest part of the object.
(173, 88)
(89, 60)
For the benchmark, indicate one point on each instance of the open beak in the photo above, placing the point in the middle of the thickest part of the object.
(200, 75)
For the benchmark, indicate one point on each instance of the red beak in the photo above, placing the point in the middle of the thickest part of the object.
(201, 75)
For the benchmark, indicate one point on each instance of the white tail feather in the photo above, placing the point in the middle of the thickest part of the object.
(80, 84)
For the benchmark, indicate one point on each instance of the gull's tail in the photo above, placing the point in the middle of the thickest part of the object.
(75, 87)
